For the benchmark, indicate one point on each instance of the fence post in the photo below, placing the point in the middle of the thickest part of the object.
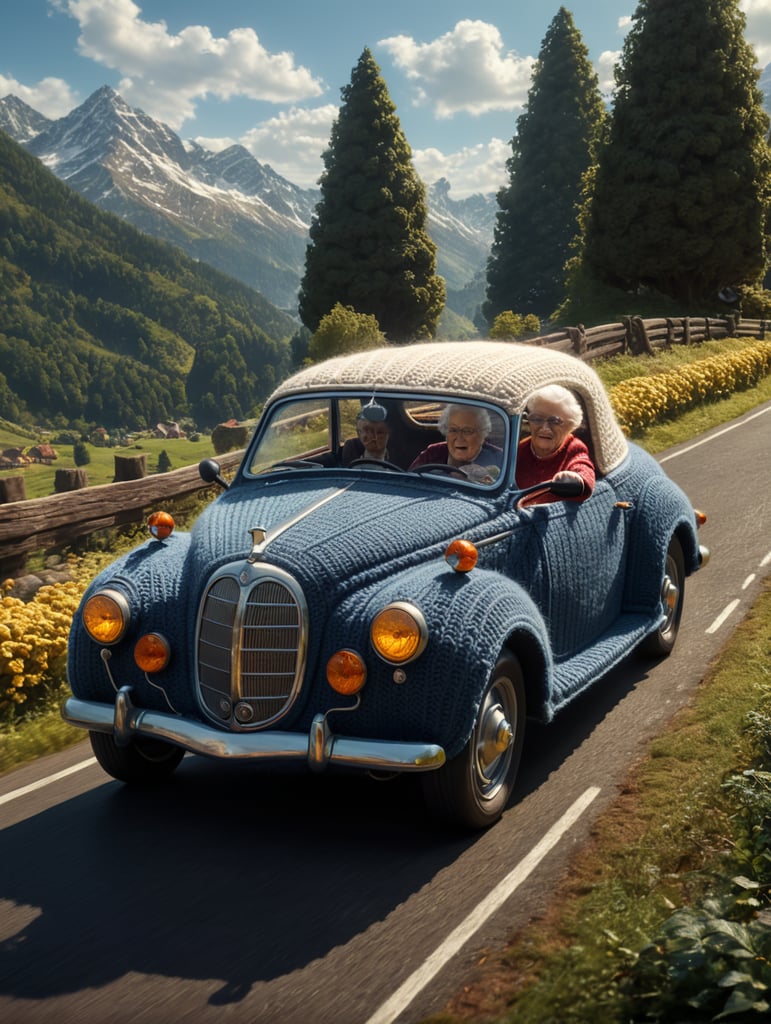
(70, 480)
(13, 488)
(130, 467)
(640, 340)
(577, 337)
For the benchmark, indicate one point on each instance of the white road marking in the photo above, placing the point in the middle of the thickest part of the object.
(46, 781)
(712, 437)
(750, 579)
(729, 608)
(417, 981)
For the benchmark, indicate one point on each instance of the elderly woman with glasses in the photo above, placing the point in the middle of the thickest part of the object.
(552, 451)
(466, 428)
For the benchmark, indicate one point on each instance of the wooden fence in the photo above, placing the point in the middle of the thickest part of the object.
(637, 336)
(57, 519)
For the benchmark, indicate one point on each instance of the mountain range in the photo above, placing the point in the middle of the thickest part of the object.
(226, 209)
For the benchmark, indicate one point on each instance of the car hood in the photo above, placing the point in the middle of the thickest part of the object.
(335, 529)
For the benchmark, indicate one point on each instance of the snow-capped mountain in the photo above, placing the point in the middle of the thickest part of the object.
(20, 121)
(225, 208)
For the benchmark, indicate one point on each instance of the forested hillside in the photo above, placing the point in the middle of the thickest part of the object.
(101, 324)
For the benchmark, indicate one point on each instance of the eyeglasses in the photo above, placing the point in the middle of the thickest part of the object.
(538, 421)
(462, 431)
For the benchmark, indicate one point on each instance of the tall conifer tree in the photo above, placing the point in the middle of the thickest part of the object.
(553, 146)
(680, 196)
(369, 247)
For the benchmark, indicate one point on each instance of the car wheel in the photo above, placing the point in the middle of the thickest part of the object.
(143, 761)
(660, 643)
(473, 788)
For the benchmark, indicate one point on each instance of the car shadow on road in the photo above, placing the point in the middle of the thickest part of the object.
(229, 872)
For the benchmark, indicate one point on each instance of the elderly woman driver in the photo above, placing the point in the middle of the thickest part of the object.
(553, 451)
(466, 428)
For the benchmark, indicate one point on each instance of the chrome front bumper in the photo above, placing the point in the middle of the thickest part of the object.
(319, 748)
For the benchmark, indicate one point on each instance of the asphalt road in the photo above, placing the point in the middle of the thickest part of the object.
(233, 896)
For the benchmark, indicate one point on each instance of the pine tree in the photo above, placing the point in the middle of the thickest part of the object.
(369, 248)
(680, 196)
(553, 147)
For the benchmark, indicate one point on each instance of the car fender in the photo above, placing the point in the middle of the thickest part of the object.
(662, 511)
(470, 618)
(154, 581)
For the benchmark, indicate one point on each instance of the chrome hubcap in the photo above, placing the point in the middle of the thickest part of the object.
(670, 595)
(495, 734)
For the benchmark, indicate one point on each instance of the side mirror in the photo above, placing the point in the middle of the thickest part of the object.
(562, 488)
(566, 488)
(209, 471)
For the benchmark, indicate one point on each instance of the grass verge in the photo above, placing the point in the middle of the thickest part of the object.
(666, 842)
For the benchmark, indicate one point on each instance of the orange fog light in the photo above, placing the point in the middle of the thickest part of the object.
(106, 616)
(152, 652)
(346, 672)
(461, 555)
(161, 525)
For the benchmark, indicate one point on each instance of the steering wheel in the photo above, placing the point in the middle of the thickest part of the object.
(383, 463)
(295, 464)
(437, 467)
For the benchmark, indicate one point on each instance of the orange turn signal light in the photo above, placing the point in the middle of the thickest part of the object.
(461, 555)
(161, 525)
(701, 518)
(152, 652)
(346, 672)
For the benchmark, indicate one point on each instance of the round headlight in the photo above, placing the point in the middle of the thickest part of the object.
(152, 652)
(399, 633)
(106, 616)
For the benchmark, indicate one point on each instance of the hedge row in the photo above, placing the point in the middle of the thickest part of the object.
(640, 402)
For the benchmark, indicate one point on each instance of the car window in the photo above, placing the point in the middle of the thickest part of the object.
(322, 429)
(295, 430)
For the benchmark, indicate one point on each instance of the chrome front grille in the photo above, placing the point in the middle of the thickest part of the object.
(251, 643)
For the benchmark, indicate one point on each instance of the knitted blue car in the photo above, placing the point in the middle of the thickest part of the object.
(387, 612)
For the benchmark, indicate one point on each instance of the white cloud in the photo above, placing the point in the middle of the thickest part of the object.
(292, 142)
(605, 67)
(165, 74)
(758, 32)
(465, 70)
(474, 169)
(51, 96)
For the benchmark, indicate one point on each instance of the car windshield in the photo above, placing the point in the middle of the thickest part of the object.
(452, 438)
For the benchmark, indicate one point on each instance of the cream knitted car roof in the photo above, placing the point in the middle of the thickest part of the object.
(505, 373)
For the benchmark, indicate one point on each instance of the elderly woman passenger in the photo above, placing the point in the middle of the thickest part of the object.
(466, 428)
(371, 441)
(552, 451)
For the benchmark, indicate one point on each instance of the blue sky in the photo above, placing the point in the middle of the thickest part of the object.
(268, 74)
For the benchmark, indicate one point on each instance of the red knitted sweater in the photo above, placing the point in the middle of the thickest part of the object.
(573, 455)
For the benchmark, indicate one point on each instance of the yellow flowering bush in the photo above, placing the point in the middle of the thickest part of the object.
(642, 401)
(33, 640)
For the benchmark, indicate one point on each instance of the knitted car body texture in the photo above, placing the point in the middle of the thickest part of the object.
(570, 588)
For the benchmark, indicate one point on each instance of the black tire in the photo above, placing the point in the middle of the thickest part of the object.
(660, 643)
(472, 789)
(143, 762)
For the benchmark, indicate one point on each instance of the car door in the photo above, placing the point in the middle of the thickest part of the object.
(570, 557)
